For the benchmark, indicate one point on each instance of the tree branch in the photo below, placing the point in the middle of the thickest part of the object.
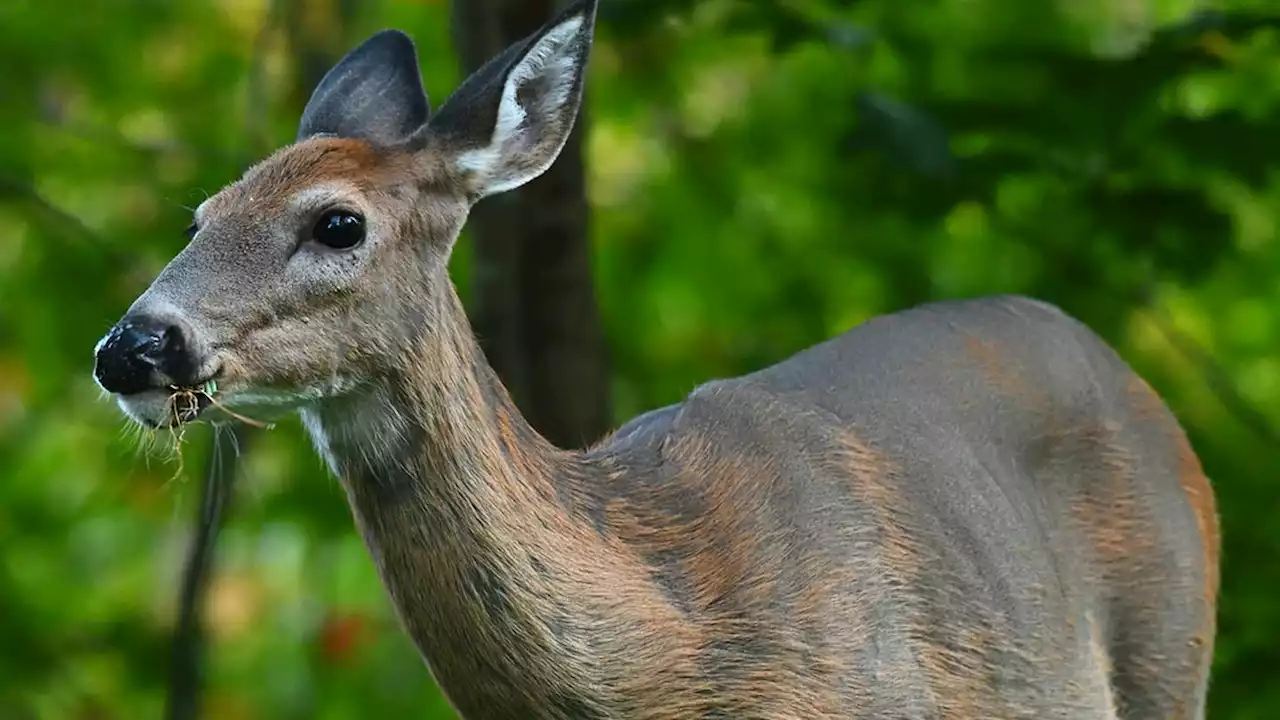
(188, 640)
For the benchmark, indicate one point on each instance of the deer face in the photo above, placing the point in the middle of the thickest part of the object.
(325, 265)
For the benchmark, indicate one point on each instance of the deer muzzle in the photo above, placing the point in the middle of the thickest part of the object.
(145, 358)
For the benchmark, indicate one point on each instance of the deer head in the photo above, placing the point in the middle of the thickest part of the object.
(326, 263)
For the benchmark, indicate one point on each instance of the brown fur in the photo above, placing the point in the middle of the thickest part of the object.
(1148, 407)
(996, 370)
(1196, 485)
(956, 675)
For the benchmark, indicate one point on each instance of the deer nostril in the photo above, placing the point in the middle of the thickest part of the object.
(141, 353)
(164, 350)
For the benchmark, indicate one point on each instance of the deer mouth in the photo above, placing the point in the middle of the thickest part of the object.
(185, 404)
(169, 407)
(174, 406)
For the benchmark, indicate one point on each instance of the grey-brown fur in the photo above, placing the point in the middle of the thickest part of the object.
(970, 509)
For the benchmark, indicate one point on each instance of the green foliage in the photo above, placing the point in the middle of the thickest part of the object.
(763, 175)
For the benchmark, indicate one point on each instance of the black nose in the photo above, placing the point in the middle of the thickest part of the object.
(141, 353)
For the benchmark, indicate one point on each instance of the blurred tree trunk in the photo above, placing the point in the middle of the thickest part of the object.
(535, 309)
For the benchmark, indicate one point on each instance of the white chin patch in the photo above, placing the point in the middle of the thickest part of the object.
(158, 409)
(149, 408)
(162, 408)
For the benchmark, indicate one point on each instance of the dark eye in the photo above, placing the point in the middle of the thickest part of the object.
(339, 229)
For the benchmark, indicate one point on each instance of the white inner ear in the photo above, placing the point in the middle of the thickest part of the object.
(544, 60)
(517, 126)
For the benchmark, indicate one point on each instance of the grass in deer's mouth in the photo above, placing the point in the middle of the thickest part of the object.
(181, 407)
(185, 404)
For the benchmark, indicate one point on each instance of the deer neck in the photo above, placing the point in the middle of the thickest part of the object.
(455, 496)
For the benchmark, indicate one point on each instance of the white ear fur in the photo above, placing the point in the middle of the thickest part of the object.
(527, 138)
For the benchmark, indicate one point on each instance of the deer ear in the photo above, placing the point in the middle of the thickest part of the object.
(507, 123)
(374, 93)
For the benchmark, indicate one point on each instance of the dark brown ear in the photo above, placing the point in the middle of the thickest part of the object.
(507, 123)
(374, 93)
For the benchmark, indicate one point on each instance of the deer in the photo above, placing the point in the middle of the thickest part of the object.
(970, 508)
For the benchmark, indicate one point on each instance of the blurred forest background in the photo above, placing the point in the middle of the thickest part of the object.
(749, 178)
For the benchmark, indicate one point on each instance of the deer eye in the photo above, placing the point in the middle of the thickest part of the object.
(339, 229)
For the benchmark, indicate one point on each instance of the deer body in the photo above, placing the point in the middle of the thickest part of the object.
(971, 509)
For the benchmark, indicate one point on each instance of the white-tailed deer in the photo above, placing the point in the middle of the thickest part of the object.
(971, 509)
